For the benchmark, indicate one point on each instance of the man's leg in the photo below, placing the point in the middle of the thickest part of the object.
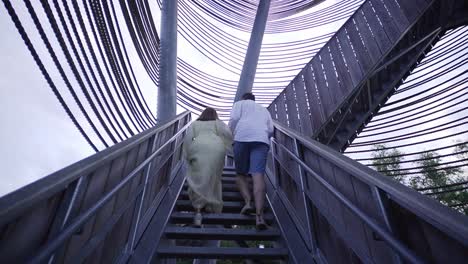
(259, 193)
(243, 186)
(242, 161)
(258, 158)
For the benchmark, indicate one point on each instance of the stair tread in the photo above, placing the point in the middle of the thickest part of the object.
(174, 232)
(228, 206)
(222, 218)
(227, 196)
(227, 203)
(222, 252)
(229, 179)
(229, 187)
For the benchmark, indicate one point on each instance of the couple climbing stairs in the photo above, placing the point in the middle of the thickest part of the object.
(183, 241)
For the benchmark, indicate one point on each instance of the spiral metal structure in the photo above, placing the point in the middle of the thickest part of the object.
(89, 44)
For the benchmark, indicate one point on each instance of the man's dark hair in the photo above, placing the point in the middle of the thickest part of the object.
(248, 96)
(208, 114)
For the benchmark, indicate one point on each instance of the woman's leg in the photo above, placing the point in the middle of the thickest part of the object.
(198, 218)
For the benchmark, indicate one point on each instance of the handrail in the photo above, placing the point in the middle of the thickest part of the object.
(315, 189)
(13, 203)
(405, 51)
(389, 238)
(106, 199)
(438, 214)
(54, 244)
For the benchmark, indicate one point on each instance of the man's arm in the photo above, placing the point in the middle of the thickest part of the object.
(234, 117)
(270, 125)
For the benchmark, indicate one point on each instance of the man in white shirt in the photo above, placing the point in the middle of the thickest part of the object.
(252, 126)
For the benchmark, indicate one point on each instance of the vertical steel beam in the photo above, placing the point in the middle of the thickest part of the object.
(167, 89)
(382, 204)
(253, 50)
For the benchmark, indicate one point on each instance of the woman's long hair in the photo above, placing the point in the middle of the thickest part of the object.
(208, 114)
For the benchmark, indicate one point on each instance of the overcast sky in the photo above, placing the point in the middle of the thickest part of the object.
(36, 136)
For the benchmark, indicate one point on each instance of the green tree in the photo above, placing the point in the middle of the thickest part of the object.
(461, 150)
(387, 161)
(433, 173)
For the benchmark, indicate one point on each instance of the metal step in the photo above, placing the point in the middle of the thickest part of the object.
(232, 180)
(227, 187)
(224, 218)
(222, 253)
(228, 180)
(227, 196)
(173, 232)
(229, 173)
(228, 206)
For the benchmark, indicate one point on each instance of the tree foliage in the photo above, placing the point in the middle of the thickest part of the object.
(432, 173)
(387, 161)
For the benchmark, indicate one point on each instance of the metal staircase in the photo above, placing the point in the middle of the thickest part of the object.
(128, 204)
(360, 67)
(228, 226)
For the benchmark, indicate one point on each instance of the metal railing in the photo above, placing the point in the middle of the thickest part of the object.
(338, 210)
(96, 209)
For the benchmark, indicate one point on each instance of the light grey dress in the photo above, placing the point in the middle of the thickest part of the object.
(205, 148)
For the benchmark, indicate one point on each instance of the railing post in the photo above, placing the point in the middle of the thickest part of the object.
(173, 146)
(275, 168)
(382, 206)
(310, 233)
(66, 210)
(141, 199)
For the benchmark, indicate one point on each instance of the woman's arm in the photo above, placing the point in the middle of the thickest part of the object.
(225, 134)
(188, 140)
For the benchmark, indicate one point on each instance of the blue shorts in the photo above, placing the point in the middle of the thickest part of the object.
(250, 157)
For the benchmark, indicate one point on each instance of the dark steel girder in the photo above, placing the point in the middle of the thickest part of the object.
(356, 110)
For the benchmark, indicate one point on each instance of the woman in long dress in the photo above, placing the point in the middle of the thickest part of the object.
(205, 146)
